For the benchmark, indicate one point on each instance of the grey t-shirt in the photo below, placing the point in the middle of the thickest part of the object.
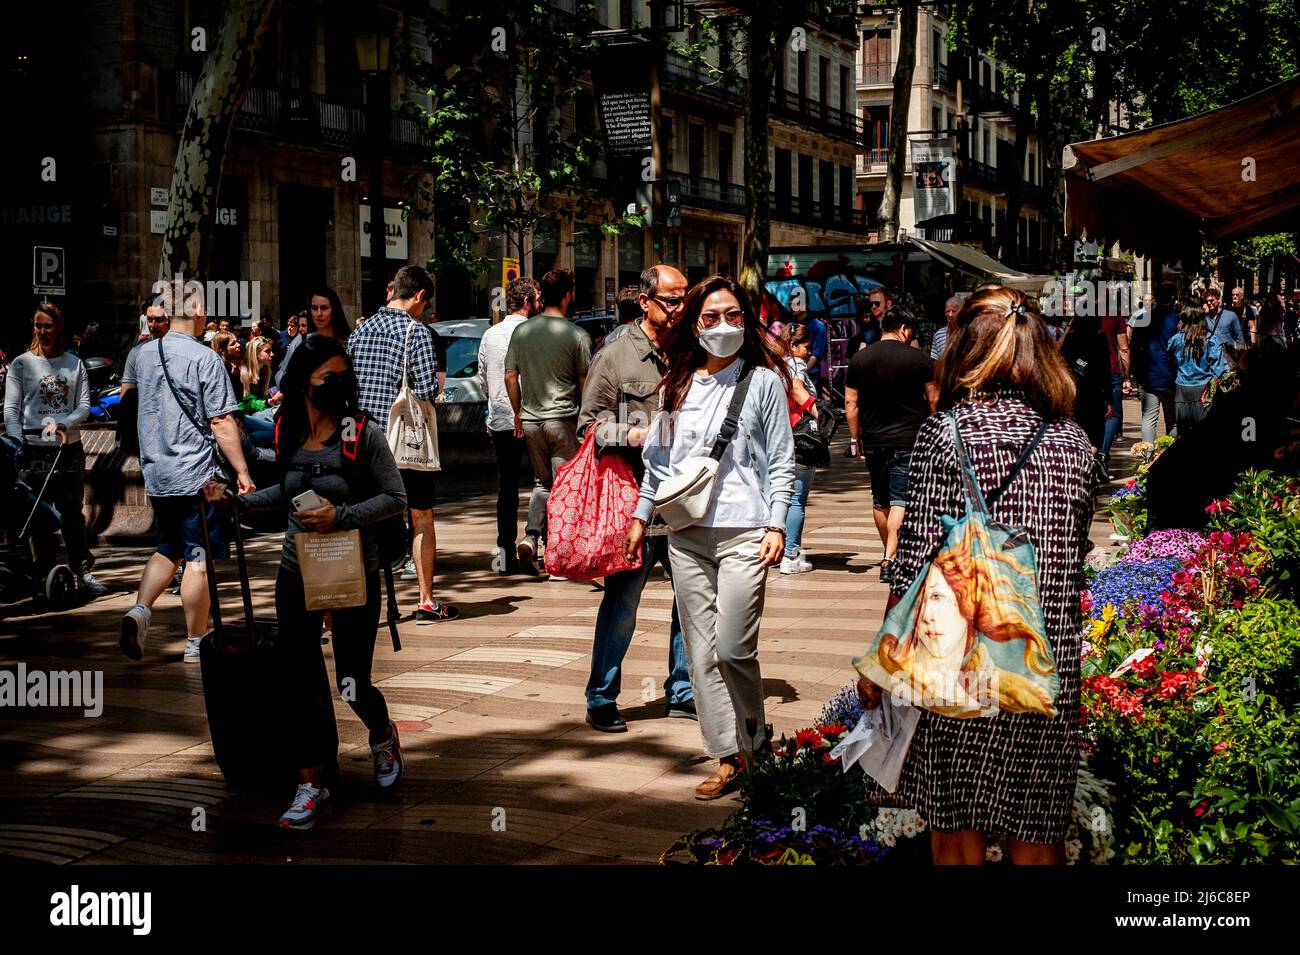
(551, 354)
(177, 458)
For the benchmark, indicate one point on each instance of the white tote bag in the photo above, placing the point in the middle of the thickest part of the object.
(412, 425)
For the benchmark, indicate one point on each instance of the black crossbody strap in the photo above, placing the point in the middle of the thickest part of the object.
(732, 421)
(998, 491)
(204, 432)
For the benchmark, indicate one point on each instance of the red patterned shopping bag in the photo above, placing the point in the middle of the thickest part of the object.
(591, 503)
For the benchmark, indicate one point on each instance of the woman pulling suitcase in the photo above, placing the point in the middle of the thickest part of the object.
(325, 449)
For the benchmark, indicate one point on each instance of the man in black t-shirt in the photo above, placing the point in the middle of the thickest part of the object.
(889, 392)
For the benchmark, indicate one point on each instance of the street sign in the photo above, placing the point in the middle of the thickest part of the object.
(157, 197)
(673, 191)
(48, 276)
(509, 271)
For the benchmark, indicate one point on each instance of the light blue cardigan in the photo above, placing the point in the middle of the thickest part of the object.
(763, 436)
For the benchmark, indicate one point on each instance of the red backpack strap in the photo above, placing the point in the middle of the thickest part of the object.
(277, 436)
(349, 448)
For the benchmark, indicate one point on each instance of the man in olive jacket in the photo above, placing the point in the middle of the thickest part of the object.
(620, 398)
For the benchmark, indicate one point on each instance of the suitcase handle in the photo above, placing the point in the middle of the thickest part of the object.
(217, 626)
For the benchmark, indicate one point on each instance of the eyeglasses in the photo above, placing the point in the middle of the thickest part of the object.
(711, 319)
(875, 304)
(669, 302)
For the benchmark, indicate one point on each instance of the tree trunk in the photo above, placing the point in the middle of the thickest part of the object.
(897, 165)
(227, 75)
(761, 58)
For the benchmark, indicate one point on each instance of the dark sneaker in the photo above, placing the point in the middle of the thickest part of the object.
(607, 719)
(309, 804)
(526, 552)
(388, 759)
(175, 586)
(435, 612)
(683, 710)
(887, 571)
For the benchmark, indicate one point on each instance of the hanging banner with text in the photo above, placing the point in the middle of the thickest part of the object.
(933, 170)
(623, 77)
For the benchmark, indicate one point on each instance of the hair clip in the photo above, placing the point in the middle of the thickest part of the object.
(1018, 310)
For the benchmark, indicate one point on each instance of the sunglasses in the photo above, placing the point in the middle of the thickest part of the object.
(711, 319)
(669, 301)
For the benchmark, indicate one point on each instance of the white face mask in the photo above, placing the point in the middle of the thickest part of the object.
(722, 340)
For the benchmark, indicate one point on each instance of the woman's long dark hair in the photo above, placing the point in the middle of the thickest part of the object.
(1194, 328)
(338, 317)
(292, 425)
(684, 354)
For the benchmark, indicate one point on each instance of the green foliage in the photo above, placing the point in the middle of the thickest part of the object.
(1267, 506)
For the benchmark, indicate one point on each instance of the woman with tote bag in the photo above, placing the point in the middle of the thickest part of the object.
(720, 470)
(339, 480)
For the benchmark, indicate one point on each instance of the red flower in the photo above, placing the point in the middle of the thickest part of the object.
(832, 729)
(808, 739)
(1221, 746)
(1145, 668)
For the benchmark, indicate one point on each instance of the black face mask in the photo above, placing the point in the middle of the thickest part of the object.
(336, 396)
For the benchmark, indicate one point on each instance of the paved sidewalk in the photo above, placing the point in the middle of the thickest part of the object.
(500, 765)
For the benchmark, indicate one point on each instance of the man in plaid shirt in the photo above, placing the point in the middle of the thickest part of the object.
(377, 355)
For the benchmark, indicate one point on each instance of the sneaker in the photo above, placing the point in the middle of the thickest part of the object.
(789, 565)
(175, 587)
(805, 565)
(309, 804)
(886, 571)
(135, 629)
(526, 551)
(504, 562)
(607, 719)
(409, 572)
(192, 649)
(91, 586)
(435, 612)
(388, 759)
(264, 454)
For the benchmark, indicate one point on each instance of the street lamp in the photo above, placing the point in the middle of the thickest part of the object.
(372, 56)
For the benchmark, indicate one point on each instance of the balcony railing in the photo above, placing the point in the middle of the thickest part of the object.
(821, 116)
(710, 193)
(686, 76)
(945, 76)
(879, 73)
(308, 117)
(806, 211)
(872, 161)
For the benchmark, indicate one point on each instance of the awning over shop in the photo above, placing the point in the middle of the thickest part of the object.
(972, 260)
(1226, 174)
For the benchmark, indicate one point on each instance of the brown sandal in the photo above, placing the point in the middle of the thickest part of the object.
(718, 785)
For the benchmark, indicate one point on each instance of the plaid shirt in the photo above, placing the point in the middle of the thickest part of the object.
(376, 349)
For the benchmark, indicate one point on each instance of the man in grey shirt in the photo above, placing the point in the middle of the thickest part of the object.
(181, 425)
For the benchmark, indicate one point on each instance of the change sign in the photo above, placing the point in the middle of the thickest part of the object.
(48, 277)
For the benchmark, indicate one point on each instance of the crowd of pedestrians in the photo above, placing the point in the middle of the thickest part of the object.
(716, 416)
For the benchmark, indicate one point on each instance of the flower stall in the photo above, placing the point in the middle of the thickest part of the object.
(1190, 711)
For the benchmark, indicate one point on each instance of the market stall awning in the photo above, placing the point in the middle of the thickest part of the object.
(1226, 174)
(972, 260)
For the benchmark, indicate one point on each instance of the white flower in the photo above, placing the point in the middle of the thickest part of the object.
(993, 853)
(887, 839)
(908, 828)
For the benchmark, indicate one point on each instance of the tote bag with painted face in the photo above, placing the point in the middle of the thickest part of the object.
(968, 639)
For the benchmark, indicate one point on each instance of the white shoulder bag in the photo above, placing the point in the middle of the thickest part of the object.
(412, 425)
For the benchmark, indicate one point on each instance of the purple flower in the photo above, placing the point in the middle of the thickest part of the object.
(1165, 543)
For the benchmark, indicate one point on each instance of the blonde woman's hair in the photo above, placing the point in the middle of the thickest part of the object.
(253, 370)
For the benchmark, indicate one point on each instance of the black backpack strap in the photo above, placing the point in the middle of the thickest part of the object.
(998, 491)
(732, 421)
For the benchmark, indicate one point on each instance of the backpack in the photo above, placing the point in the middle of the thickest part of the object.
(983, 649)
(390, 533)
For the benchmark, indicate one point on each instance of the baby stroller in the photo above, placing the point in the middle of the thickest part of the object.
(29, 564)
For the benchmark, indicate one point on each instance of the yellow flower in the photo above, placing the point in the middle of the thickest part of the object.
(1102, 625)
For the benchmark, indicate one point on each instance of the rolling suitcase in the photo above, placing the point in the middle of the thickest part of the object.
(243, 688)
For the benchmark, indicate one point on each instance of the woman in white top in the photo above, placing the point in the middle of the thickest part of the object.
(720, 563)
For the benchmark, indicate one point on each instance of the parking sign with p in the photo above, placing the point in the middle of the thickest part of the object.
(48, 277)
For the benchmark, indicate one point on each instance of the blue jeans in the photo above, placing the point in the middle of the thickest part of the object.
(261, 429)
(1115, 423)
(615, 624)
(803, 481)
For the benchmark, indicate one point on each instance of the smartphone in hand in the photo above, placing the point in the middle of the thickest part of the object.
(307, 501)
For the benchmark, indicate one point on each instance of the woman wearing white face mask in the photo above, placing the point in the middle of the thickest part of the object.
(720, 561)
